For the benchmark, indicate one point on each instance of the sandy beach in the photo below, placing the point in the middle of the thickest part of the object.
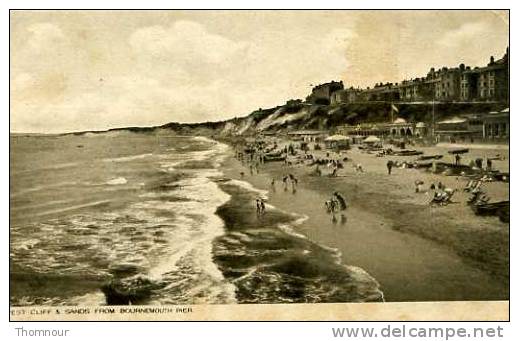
(416, 252)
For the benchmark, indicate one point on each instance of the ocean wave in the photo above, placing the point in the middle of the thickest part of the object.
(188, 267)
(74, 207)
(117, 181)
(270, 262)
(42, 188)
(244, 185)
(128, 158)
(56, 166)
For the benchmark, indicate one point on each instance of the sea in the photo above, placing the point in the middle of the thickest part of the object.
(83, 207)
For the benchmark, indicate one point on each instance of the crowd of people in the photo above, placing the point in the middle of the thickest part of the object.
(254, 156)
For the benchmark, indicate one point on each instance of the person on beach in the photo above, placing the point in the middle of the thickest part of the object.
(358, 168)
(389, 166)
(285, 182)
(458, 159)
(258, 207)
(489, 165)
(418, 186)
(262, 206)
(293, 182)
(328, 205)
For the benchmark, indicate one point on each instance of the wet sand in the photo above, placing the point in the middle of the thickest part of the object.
(415, 252)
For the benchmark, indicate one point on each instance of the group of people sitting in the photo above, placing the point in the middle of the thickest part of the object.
(442, 195)
(478, 196)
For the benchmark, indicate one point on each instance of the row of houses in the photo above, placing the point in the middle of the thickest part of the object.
(456, 84)
(491, 127)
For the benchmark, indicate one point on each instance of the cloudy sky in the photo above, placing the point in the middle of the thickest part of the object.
(95, 70)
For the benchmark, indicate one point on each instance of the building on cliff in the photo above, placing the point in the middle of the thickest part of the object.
(322, 93)
(455, 84)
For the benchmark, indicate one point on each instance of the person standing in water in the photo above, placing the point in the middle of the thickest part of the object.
(258, 207)
(285, 182)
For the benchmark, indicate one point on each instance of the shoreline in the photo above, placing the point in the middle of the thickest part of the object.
(267, 261)
(416, 253)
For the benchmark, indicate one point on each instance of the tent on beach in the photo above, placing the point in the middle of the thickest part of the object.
(372, 139)
(337, 141)
(371, 142)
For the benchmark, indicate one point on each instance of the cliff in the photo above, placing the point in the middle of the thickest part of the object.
(296, 116)
(312, 116)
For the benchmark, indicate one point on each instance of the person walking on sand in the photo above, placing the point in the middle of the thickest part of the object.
(273, 185)
(389, 166)
(458, 158)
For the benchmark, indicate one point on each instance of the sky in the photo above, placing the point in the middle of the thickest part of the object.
(95, 70)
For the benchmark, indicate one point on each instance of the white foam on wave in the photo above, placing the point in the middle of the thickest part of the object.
(290, 231)
(128, 158)
(196, 226)
(117, 181)
(216, 153)
(362, 276)
(56, 166)
(263, 194)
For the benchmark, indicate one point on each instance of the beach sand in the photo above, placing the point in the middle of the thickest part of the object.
(416, 252)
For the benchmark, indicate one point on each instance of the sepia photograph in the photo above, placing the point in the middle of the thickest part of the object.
(259, 164)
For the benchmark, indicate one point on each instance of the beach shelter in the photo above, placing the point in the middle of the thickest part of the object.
(371, 139)
(337, 142)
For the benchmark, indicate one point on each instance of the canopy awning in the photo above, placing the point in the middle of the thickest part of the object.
(337, 138)
(371, 139)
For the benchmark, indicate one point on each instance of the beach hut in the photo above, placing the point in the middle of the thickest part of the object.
(337, 142)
